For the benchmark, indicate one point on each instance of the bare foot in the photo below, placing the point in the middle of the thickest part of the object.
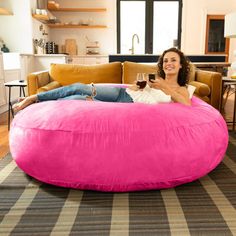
(20, 99)
(89, 98)
(24, 103)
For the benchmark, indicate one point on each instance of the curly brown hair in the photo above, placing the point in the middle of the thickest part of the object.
(183, 76)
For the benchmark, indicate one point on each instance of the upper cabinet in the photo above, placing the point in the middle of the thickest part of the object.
(55, 21)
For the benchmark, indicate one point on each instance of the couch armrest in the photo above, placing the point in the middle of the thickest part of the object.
(50, 86)
(214, 81)
(36, 80)
(202, 89)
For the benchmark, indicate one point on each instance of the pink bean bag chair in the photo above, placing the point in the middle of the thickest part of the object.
(118, 146)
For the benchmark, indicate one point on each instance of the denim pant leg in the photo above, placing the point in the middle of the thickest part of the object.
(107, 93)
(74, 97)
(103, 93)
(65, 91)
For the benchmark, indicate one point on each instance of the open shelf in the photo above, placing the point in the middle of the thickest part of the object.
(41, 18)
(76, 26)
(78, 9)
(5, 12)
(45, 18)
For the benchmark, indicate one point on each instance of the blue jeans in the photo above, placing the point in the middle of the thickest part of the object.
(82, 91)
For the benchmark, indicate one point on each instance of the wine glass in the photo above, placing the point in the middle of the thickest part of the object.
(140, 81)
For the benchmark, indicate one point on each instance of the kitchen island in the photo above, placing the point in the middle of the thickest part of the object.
(147, 58)
(205, 62)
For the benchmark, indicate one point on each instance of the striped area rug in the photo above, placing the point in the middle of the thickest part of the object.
(204, 207)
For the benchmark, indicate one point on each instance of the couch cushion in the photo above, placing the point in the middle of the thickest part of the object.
(67, 74)
(130, 70)
(49, 86)
(192, 71)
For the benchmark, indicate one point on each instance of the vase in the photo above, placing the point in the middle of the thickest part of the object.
(4, 48)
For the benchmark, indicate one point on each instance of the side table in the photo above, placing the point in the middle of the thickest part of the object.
(228, 82)
(15, 83)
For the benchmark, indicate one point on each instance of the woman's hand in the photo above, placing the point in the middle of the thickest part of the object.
(134, 87)
(178, 94)
(159, 83)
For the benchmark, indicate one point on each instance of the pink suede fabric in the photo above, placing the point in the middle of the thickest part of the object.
(118, 146)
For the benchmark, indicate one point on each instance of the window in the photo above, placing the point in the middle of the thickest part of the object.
(156, 22)
(132, 25)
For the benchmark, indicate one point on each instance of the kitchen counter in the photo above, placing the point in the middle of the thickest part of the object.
(205, 62)
(44, 55)
(221, 67)
(51, 55)
(90, 55)
(63, 55)
(90, 59)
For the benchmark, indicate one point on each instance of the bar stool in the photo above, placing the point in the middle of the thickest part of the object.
(226, 87)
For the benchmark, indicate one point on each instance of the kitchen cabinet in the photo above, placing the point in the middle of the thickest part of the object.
(89, 59)
(7, 75)
(11, 75)
(1, 67)
(38, 62)
(43, 62)
(3, 100)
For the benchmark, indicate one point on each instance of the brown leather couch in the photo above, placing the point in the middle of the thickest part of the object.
(207, 83)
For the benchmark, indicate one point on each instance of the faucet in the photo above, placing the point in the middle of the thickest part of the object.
(132, 49)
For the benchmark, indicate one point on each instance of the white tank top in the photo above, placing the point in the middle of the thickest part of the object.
(149, 95)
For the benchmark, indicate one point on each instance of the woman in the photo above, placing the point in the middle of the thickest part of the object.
(173, 69)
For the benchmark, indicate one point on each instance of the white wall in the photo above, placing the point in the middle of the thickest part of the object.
(19, 29)
(16, 30)
(36, 33)
(106, 36)
(194, 23)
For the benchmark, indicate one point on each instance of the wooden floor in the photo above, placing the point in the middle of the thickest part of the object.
(4, 145)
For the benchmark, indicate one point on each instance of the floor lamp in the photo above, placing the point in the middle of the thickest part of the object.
(230, 32)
